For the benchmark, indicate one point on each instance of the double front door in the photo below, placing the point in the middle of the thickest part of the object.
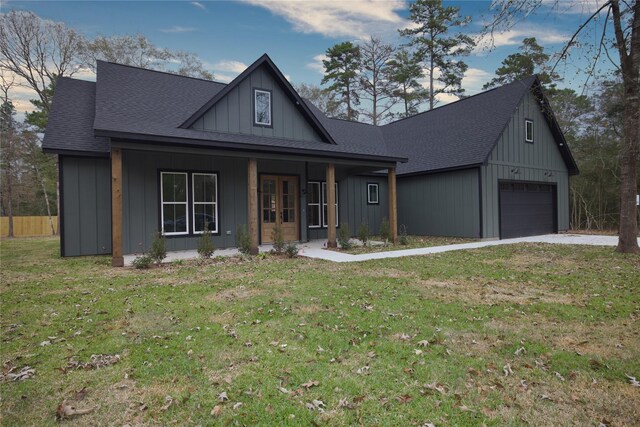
(279, 206)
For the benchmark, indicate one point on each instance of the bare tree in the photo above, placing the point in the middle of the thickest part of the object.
(626, 41)
(38, 51)
(375, 80)
(324, 99)
(8, 149)
(138, 51)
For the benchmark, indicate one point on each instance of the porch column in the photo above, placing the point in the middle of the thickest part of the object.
(252, 203)
(117, 259)
(331, 206)
(393, 207)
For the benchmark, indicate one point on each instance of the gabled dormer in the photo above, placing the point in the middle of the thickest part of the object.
(261, 102)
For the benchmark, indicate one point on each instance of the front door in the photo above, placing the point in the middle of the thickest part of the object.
(279, 206)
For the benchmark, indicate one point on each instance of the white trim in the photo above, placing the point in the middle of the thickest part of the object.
(324, 203)
(255, 107)
(377, 201)
(526, 133)
(315, 205)
(194, 203)
(185, 203)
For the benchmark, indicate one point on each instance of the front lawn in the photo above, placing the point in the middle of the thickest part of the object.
(504, 335)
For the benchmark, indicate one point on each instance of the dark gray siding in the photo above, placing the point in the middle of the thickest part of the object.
(141, 211)
(539, 161)
(86, 206)
(234, 112)
(442, 204)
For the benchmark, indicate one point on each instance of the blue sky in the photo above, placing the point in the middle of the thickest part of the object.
(228, 35)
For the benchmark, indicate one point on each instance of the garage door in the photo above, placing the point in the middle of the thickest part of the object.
(526, 209)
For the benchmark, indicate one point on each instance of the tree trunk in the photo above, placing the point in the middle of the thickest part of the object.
(9, 186)
(58, 192)
(431, 83)
(46, 197)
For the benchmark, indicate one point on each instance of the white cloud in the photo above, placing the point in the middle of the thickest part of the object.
(474, 79)
(199, 5)
(231, 66)
(223, 78)
(178, 29)
(356, 18)
(317, 64)
(515, 36)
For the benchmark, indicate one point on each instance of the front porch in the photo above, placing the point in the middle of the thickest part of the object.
(160, 189)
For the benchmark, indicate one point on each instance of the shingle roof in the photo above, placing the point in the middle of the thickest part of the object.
(70, 126)
(459, 134)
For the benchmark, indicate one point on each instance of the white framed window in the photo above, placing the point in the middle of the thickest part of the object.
(262, 107)
(174, 198)
(205, 202)
(528, 130)
(324, 205)
(373, 197)
(314, 203)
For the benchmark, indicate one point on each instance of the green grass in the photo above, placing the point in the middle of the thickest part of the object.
(248, 327)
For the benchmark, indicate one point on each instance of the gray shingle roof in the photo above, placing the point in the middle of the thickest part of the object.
(70, 126)
(459, 134)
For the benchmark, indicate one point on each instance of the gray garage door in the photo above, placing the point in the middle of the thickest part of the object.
(526, 209)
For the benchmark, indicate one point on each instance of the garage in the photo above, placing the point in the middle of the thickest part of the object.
(527, 209)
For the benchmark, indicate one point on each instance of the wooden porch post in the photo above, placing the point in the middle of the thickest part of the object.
(117, 259)
(252, 194)
(393, 207)
(331, 203)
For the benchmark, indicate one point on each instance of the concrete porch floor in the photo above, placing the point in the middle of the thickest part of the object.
(317, 248)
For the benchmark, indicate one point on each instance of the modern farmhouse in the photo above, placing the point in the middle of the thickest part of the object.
(142, 151)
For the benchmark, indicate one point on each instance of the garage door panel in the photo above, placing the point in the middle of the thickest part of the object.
(526, 209)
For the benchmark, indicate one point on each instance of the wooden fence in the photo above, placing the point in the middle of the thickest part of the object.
(27, 226)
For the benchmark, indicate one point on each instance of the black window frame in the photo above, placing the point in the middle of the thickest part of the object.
(526, 131)
(255, 122)
(369, 185)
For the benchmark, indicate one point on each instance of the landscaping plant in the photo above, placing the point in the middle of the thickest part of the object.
(278, 239)
(343, 236)
(243, 241)
(158, 250)
(403, 238)
(363, 233)
(291, 250)
(385, 230)
(206, 248)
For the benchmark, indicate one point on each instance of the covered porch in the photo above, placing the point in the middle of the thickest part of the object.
(177, 190)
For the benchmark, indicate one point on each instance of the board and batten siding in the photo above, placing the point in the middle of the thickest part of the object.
(141, 197)
(86, 206)
(539, 161)
(440, 204)
(234, 112)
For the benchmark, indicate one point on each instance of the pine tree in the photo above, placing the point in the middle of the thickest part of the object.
(341, 69)
(375, 84)
(405, 71)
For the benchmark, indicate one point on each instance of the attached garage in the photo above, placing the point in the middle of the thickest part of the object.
(527, 209)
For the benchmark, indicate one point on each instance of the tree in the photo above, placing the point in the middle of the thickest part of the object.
(572, 112)
(8, 151)
(405, 71)
(138, 51)
(341, 69)
(530, 60)
(37, 51)
(324, 99)
(436, 49)
(626, 41)
(375, 84)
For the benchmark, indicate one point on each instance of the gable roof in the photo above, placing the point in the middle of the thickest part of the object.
(70, 125)
(265, 61)
(464, 133)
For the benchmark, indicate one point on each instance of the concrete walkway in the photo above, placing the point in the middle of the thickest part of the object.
(316, 248)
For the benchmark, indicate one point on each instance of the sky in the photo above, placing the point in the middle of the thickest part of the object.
(229, 35)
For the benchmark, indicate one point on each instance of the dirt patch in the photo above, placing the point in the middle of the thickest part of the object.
(308, 309)
(388, 273)
(233, 294)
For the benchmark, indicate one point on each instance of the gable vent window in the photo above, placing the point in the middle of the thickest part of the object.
(262, 107)
(528, 130)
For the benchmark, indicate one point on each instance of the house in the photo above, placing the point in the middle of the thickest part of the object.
(142, 151)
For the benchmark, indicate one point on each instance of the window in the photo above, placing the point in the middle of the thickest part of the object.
(174, 196)
(181, 215)
(262, 106)
(314, 215)
(205, 202)
(372, 194)
(528, 130)
(324, 204)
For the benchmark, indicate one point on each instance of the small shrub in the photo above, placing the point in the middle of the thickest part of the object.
(142, 262)
(403, 238)
(343, 236)
(158, 250)
(243, 241)
(206, 248)
(262, 255)
(363, 233)
(177, 262)
(385, 230)
(277, 236)
(291, 250)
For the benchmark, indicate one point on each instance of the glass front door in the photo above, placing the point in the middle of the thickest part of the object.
(279, 206)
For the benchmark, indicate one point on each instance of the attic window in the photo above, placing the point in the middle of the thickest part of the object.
(262, 107)
(528, 130)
